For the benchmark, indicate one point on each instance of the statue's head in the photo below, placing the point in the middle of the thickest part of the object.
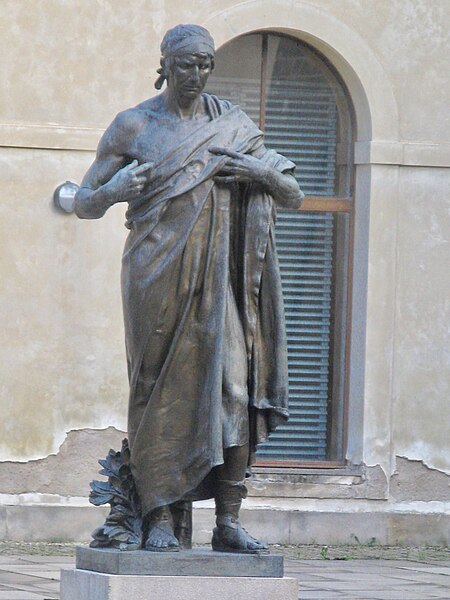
(184, 44)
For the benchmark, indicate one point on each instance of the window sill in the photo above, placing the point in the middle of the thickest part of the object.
(347, 470)
(352, 481)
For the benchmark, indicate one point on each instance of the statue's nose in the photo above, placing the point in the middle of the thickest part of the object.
(195, 74)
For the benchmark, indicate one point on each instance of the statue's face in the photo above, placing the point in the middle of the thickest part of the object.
(189, 74)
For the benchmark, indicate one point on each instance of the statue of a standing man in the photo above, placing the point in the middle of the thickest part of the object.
(202, 302)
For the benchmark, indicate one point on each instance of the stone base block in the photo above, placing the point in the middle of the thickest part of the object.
(77, 584)
(195, 562)
(277, 525)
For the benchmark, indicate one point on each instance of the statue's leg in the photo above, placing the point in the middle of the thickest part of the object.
(182, 522)
(229, 535)
(160, 536)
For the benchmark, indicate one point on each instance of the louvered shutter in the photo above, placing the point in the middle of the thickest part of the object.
(301, 124)
(305, 253)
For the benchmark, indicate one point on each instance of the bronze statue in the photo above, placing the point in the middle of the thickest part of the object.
(202, 302)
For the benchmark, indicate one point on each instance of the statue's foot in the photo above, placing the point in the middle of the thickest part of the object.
(160, 536)
(230, 536)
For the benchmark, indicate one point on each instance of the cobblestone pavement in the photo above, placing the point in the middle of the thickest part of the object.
(32, 572)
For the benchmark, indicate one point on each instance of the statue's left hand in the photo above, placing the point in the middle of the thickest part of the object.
(239, 167)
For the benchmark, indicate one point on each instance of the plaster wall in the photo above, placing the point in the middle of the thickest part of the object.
(86, 60)
(421, 370)
(407, 374)
(62, 351)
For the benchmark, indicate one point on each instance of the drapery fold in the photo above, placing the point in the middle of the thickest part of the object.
(177, 266)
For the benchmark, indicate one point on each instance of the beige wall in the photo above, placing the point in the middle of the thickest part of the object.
(421, 385)
(76, 63)
(68, 66)
(62, 353)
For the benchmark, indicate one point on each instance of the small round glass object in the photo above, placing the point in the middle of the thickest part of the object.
(64, 196)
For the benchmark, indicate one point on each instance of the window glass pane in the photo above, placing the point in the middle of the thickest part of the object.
(237, 74)
(314, 280)
(305, 252)
(307, 119)
(302, 116)
(338, 335)
(307, 115)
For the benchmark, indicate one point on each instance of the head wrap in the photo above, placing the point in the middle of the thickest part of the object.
(184, 39)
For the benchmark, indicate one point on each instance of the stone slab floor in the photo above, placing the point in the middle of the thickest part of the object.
(36, 577)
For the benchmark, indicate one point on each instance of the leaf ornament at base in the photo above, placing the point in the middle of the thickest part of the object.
(123, 526)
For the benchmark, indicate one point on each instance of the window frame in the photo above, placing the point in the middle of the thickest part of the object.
(331, 204)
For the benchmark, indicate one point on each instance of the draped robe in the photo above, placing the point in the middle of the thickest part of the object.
(190, 241)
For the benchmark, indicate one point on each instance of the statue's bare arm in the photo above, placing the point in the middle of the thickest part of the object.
(283, 187)
(113, 177)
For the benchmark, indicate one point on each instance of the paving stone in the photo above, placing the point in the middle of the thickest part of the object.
(63, 560)
(11, 560)
(356, 583)
(18, 595)
(11, 577)
(306, 578)
(319, 579)
(42, 571)
(364, 584)
(394, 595)
(320, 595)
(431, 578)
(441, 570)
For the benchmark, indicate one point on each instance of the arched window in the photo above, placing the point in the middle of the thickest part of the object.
(301, 105)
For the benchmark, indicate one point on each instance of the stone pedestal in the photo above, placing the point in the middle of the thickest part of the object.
(195, 562)
(77, 584)
(188, 575)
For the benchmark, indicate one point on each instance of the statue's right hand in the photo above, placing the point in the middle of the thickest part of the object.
(129, 181)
